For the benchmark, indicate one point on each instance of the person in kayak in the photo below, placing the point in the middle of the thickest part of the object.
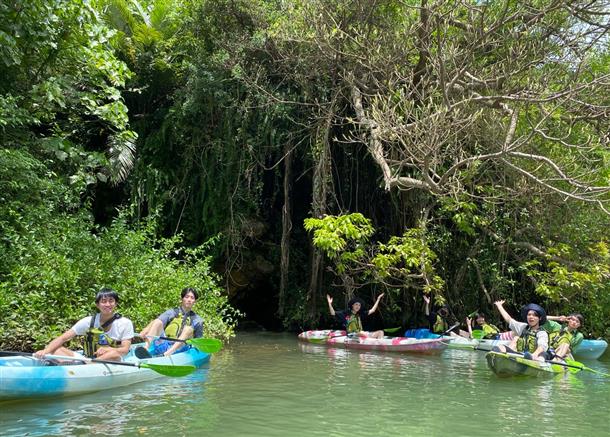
(564, 338)
(107, 334)
(489, 331)
(438, 319)
(181, 322)
(529, 338)
(351, 319)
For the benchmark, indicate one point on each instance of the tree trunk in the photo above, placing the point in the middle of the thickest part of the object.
(286, 229)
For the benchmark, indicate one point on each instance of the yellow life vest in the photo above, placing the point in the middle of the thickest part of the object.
(528, 341)
(557, 338)
(489, 330)
(96, 337)
(175, 327)
(353, 324)
(440, 325)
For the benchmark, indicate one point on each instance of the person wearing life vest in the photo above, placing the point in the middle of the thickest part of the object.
(529, 338)
(489, 331)
(107, 335)
(564, 338)
(181, 323)
(437, 319)
(352, 318)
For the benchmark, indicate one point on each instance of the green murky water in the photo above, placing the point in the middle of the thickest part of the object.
(267, 384)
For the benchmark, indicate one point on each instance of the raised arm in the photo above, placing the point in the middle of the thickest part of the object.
(374, 308)
(557, 318)
(499, 304)
(330, 305)
(427, 300)
(469, 324)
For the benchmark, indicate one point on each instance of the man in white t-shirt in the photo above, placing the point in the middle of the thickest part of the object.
(107, 334)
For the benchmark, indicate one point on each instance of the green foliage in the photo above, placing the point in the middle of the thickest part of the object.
(339, 234)
(402, 262)
(53, 260)
(61, 82)
(58, 271)
(584, 287)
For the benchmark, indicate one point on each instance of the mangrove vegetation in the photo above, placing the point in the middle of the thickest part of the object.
(269, 152)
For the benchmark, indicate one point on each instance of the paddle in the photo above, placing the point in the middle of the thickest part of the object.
(451, 328)
(163, 369)
(581, 366)
(208, 345)
(392, 330)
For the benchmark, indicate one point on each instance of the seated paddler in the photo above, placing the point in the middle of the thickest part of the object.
(563, 339)
(438, 320)
(181, 323)
(485, 330)
(106, 334)
(529, 338)
(352, 319)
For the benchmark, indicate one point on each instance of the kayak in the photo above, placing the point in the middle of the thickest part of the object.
(339, 339)
(456, 341)
(26, 377)
(506, 364)
(472, 343)
(320, 336)
(590, 349)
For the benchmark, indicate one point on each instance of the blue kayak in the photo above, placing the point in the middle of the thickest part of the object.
(590, 349)
(26, 377)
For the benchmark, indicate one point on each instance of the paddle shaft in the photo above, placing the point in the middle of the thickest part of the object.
(91, 360)
(451, 328)
(208, 345)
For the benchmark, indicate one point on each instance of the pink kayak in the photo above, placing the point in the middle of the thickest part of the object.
(387, 344)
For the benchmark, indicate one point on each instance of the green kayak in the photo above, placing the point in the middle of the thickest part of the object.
(506, 364)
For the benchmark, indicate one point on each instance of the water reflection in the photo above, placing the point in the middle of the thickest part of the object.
(272, 385)
(140, 408)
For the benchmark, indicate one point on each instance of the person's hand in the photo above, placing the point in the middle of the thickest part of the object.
(102, 350)
(563, 319)
(380, 296)
(499, 303)
(426, 299)
(41, 353)
(329, 299)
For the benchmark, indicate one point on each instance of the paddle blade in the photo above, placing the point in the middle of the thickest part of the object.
(208, 345)
(392, 330)
(169, 370)
(581, 366)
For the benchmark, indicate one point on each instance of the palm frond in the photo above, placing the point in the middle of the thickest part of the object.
(122, 151)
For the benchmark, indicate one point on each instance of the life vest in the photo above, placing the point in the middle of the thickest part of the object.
(175, 327)
(353, 323)
(557, 338)
(96, 337)
(440, 325)
(489, 331)
(528, 341)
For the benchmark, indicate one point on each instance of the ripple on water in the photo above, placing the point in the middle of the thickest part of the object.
(270, 384)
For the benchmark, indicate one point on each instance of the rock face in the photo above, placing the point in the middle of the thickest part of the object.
(252, 282)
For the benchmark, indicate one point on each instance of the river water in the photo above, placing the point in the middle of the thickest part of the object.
(267, 384)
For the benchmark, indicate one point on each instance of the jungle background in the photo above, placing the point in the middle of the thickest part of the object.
(269, 152)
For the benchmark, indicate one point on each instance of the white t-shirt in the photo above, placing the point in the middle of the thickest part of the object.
(542, 337)
(121, 329)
